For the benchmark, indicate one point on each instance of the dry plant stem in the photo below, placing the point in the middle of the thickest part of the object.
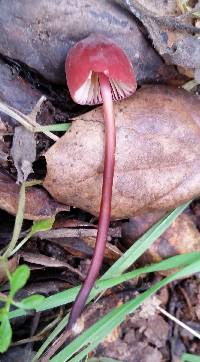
(104, 216)
(105, 208)
(56, 345)
(18, 222)
(41, 335)
(177, 321)
(25, 120)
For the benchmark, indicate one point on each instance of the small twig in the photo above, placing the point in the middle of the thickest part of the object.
(77, 233)
(21, 243)
(56, 345)
(177, 321)
(18, 116)
(28, 121)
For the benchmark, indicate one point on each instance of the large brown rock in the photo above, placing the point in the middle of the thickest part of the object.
(16, 92)
(39, 33)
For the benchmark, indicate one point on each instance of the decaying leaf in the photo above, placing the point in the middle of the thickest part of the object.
(182, 237)
(23, 152)
(71, 232)
(136, 226)
(157, 155)
(40, 259)
(81, 242)
(78, 238)
(39, 204)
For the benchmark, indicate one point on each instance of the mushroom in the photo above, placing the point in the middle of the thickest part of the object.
(98, 71)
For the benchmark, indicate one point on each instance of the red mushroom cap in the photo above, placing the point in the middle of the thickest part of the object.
(93, 55)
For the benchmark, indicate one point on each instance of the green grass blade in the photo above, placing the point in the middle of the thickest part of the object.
(128, 258)
(187, 357)
(95, 334)
(69, 295)
(173, 262)
(58, 127)
(143, 243)
(18, 221)
(51, 337)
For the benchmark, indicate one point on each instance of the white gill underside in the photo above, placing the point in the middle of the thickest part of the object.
(90, 93)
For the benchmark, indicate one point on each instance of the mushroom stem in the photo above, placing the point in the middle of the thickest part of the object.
(105, 208)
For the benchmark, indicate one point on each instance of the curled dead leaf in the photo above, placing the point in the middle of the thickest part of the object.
(157, 155)
(39, 205)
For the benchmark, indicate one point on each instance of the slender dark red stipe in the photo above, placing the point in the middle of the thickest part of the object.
(105, 208)
(104, 215)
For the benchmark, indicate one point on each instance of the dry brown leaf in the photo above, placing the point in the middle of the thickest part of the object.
(182, 237)
(40, 259)
(157, 155)
(78, 238)
(81, 246)
(71, 232)
(39, 204)
(63, 222)
(136, 226)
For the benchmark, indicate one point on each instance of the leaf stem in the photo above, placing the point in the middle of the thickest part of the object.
(18, 222)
